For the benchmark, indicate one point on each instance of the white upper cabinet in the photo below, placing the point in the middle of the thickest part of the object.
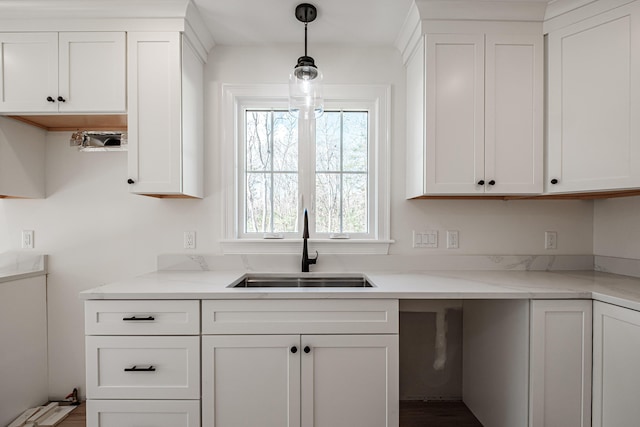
(474, 115)
(92, 72)
(455, 113)
(69, 72)
(165, 85)
(29, 72)
(594, 102)
(514, 88)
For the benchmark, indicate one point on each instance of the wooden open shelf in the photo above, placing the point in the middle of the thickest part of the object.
(57, 122)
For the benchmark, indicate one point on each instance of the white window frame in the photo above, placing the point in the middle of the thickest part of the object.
(239, 98)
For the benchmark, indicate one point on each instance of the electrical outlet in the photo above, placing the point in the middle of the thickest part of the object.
(550, 240)
(189, 239)
(27, 239)
(453, 239)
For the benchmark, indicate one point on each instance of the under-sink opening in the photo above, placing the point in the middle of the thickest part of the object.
(430, 335)
(468, 351)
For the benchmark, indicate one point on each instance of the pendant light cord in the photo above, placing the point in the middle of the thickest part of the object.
(305, 39)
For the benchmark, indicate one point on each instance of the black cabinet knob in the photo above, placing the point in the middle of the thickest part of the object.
(307, 349)
(481, 182)
(130, 181)
(554, 181)
(294, 349)
(492, 182)
(61, 99)
(50, 99)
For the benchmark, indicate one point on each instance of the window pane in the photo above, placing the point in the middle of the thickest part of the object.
(355, 137)
(328, 132)
(328, 203)
(354, 203)
(342, 144)
(285, 202)
(258, 218)
(258, 134)
(285, 141)
(271, 149)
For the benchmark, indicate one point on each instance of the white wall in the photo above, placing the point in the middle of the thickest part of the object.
(95, 232)
(616, 227)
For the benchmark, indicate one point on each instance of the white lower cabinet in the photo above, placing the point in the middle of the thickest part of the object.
(135, 413)
(560, 357)
(143, 367)
(251, 380)
(310, 363)
(616, 367)
(528, 363)
(349, 381)
(143, 363)
(300, 380)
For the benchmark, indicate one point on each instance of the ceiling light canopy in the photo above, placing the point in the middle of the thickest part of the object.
(305, 82)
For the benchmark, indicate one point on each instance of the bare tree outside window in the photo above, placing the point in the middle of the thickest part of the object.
(342, 172)
(271, 172)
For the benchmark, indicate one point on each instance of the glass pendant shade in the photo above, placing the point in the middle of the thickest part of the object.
(305, 90)
(305, 81)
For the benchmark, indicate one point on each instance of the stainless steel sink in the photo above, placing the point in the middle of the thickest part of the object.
(303, 281)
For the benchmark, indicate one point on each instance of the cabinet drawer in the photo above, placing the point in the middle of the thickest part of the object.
(127, 413)
(299, 316)
(142, 317)
(143, 367)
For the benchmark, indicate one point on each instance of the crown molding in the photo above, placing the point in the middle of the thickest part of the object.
(113, 15)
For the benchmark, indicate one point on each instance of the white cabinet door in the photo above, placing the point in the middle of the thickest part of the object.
(454, 113)
(560, 371)
(92, 72)
(28, 72)
(594, 100)
(349, 380)
(513, 114)
(135, 413)
(251, 380)
(616, 367)
(165, 86)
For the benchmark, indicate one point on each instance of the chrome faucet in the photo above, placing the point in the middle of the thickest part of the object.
(306, 261)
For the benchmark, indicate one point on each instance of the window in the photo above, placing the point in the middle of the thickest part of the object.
(333, 166)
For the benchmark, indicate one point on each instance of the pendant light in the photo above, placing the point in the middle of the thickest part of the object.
(305, 82)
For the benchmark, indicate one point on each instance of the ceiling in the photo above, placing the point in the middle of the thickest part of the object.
(262, 22)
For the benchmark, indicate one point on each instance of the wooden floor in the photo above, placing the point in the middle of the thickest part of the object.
(77, 418)
(436, 414)
(412, 414)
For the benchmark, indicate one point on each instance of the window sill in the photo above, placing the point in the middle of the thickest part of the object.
(294, 246)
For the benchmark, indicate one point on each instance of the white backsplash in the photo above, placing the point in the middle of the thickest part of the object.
(617, 265)
(378, 263)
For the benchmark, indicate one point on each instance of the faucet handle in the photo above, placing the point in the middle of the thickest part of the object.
(314, 260)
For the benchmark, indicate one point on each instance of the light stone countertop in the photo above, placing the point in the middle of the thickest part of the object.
(17, 265)
(451, 284)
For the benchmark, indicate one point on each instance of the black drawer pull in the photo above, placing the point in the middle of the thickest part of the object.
(294, 349)
(134, 368)
(307, 349)
(134, 318)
